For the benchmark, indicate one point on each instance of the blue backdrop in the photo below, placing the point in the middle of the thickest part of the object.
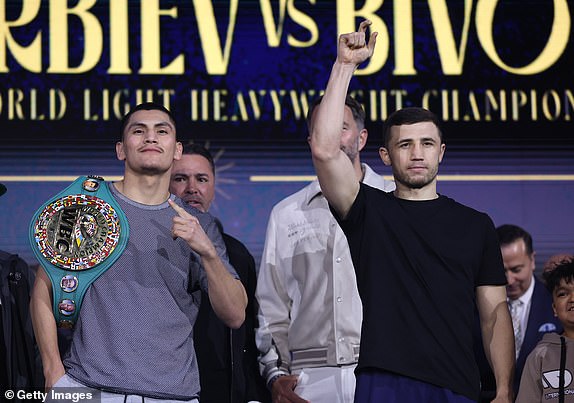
(238, 75)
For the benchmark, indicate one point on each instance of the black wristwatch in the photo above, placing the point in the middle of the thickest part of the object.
(273, 379)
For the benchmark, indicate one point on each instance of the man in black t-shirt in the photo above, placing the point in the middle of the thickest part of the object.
(422, 260)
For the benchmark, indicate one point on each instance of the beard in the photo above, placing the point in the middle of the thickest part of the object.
(150, 168)
(351, 152)
(418, 181)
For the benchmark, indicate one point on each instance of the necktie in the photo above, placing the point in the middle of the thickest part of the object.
(515, 313)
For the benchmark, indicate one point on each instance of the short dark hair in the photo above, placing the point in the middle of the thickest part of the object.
(354, 105)
(409, 116)
(509, 233)
(146, 106)
(196, 149)
(564, 270)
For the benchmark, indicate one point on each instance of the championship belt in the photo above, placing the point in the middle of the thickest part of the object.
(76, 236)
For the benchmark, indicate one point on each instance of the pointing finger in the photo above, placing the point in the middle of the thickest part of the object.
(179, 210)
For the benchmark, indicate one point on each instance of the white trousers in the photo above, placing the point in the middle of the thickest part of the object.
(327, 384)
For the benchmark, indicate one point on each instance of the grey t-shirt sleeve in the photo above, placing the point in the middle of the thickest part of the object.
(211, 229)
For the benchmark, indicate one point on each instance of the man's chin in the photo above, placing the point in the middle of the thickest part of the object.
(195, 204)
(152, 170)
(420, 181)
(415, 183)
(512, 294)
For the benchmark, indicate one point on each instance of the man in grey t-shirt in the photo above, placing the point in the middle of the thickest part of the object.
(134, 331)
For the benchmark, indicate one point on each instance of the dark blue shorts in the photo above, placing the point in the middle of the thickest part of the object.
(374, 386)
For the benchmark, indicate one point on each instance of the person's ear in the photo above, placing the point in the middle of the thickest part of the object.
(384, 154)
(120, 154)
(178, 151)
(442, 150)
(363, 136)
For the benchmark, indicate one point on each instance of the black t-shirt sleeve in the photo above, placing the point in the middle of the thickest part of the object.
(492, 269)
(355, 212)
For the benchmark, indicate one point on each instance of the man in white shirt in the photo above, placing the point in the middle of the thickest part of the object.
(310, 311)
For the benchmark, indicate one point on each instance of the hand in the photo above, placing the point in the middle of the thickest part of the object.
(52, 376)
(503, 396)
(282, 390)
(188, 228)
(353, 48)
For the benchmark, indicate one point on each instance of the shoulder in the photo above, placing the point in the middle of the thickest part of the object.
(550, 342)
(295, 200)
(235, 244)
(465, 211)
(204, 218)
(541, 312)
(4, 256)
(375, 180)
(369, 201)
(10, 259)
(12, 264)
(370, 191)
(540, 290)
(239, 257)
(549, 339)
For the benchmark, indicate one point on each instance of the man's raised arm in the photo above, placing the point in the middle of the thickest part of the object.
(334, 169)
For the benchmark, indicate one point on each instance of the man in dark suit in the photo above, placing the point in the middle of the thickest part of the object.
(227, 359)
(529, 302)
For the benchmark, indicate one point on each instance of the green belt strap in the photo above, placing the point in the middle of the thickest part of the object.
(76, 236)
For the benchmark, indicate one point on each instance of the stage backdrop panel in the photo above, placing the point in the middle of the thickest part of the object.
(239, 76)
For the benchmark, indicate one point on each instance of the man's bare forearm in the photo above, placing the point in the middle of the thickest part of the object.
(45, 330)
(226, 293)
(498, 338)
